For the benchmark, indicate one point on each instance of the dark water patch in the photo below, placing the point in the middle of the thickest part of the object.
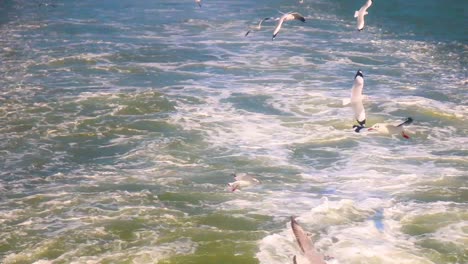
(215, 253)
(228, 222)
(430, 223)
(443, 251)
(254, 103)
(196, 198)
(322, 155)
(125, 229)
(450, 189)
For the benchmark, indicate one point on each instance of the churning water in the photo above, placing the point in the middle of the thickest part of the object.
(121, 122)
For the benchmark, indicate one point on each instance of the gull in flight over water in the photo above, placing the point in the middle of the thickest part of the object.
(306, 245)
(287, 17)
(198, 2)
(242, 180)
(356, 101)
(383, 128)
(259, 26)
(361, 13)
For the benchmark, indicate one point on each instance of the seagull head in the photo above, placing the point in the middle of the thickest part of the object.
(359, 73)
(376, 127)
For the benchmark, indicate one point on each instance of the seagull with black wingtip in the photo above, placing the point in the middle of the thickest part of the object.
(356, 101)
(287, 17)
(384, 128)
(259, 26)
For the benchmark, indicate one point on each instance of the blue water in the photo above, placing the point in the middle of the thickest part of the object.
(122, 121)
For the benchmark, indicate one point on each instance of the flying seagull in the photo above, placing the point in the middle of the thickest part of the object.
(287, 17)
(198, 2)
(356, 101)
(361, 13)
(306, 245)
(259, 25)
(384, 128)
(242, 180)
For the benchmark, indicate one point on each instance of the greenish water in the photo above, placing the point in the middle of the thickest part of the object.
(122, 122)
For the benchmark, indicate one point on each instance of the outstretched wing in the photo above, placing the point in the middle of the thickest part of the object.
(359, 112)
(366, 5)
(243, 177)
(278, 26)
(306, 244)
(298, 17)
(261, 21)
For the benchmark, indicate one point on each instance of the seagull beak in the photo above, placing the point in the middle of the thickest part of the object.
(370, 129)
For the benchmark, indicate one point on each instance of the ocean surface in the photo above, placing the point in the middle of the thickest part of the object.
(121, 123)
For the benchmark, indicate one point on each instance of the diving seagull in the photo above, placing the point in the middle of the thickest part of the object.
(242, 180)
(259, 25)
(384, 128)
(361, 13)
(306, 245)
(287, 17)
(356, 101)
(198, 2)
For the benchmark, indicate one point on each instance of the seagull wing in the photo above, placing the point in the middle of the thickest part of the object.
(408, 121)
(359, 112)
(356, 91)
(261, 21)
(278, 26)
(305, 243)
(242, 177)
(356, 100)
(298, 16)
(366, 5)
(360, 23)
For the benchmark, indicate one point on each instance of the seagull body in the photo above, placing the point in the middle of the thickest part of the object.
(287, 17)
(356, 101)
(242, 180)
(259, 25)
(383, 128)
(361, 13)
(306, 245)
(198, 2)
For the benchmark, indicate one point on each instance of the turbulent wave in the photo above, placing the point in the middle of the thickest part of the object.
(121, 124)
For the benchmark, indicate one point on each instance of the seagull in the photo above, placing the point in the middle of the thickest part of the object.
(198, 2)
(356, 101)
(392, 129)
(259, 25)
(287, 17)
(306, 245)
(361, 13)
(242, 180)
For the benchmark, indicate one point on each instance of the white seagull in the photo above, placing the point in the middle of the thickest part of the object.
(306, 245)
(287, 17)
(242, 180)
(198, 2)
(383, 128)
(259, 25)
(361, 13)
(356, 101)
